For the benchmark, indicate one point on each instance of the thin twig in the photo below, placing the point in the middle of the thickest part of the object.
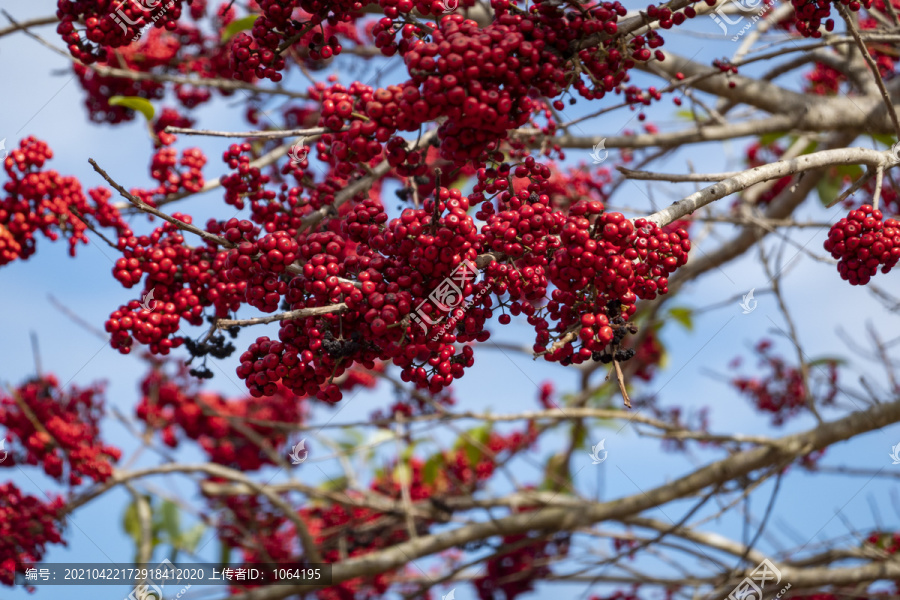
(879, 177)
(269, 135)
(620, 378)
(144, 207)
(300, 313)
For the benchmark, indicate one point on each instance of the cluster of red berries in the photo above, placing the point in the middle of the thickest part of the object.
(37, 200)
(172, 403)
(609, 259)
(889, 542)
(164, 169)
(27, 525)
(782, 391)
(263, 533)
(809, 15)
(169, 117)
(625, 546)
(177, 49)
(110, 24)
(181, 281)
(479, 78)
(862, 242)
(758, 155)
(371, 117)
(824, 80)
(258, 264)
(59, 430)
(257, 57)
(464, 473)
(260, 54)
(647, 356)
(514, 572)
(246, 181)
(393, 8)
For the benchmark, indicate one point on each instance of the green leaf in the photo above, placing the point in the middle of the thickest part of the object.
(237, 26)
(131, 523)
(854, 171)
(827, 360)
(142, 105)
(337, 484)
(579, 435)
(460, 183)
(224, 554)
(556, 473)
(403, 474)
(473, 450)
(407, 453)
(828, 189)
(884, 138)
(432, 468)
(189, 539)
(379, 437)
(768, 138)
(684, 315)
(688, 115)
(169, 521)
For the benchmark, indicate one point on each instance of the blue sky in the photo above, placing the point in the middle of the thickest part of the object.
(42, 98)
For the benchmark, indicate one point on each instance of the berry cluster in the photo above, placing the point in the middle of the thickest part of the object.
(782, 390)
(37, 200)
(246, 182)
(809, 15)
(181, 281)
(262, 532)
(164, 169)
(886, 541)
(647, 356)
(758, 155)
(169, 117)
(370, 116)
(514, 572)
(173, 404)
(862, 242)
(110, 24)
(479, 79)
(58, 430)
(608, 259)
(27, 525)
